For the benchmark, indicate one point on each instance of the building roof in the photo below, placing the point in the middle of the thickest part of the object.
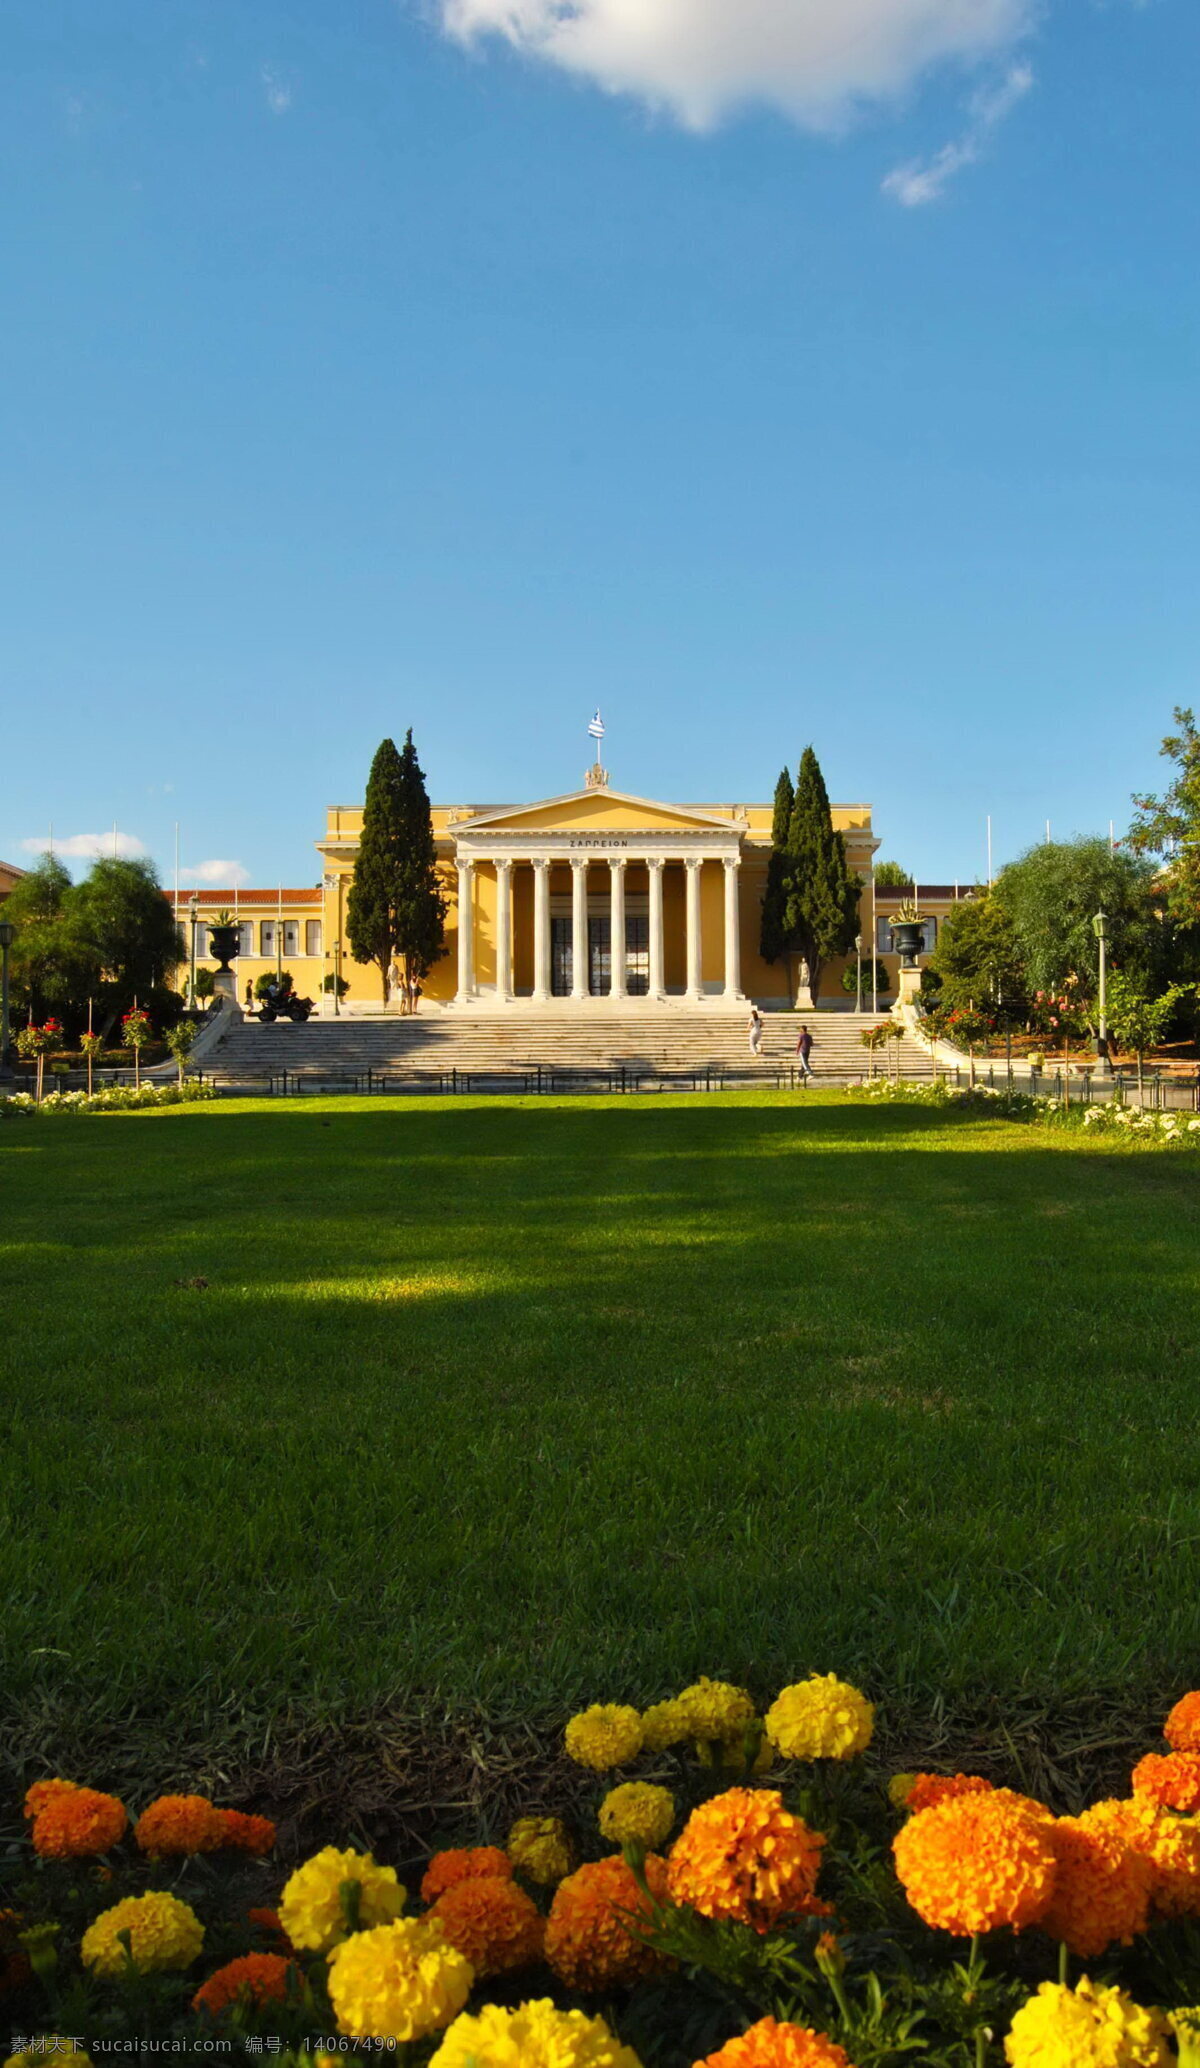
(9, 874)
(235, 901)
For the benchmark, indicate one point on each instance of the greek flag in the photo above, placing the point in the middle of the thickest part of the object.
(596, 728)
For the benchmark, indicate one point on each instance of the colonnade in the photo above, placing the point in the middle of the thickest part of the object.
(468, 988)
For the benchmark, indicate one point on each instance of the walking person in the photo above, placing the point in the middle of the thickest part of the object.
(754, 1028)
(396, 983)
(414, 992)
(804, 1048)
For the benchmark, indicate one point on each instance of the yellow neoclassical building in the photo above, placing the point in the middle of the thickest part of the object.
(539, 896)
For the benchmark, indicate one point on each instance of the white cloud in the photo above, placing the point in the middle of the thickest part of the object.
(215, 872)
(277, 89)
(921, 181)
(815, 59)
(88, 847)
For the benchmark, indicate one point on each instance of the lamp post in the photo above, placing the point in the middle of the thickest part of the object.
(337, 978)
(7, 932)
(858, 952)
(193, 910)
(1100, 929)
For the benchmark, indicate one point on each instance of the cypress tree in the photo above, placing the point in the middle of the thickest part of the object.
(395, 906)
(821, 911)
(774, 905)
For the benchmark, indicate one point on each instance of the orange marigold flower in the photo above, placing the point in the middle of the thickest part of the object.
(42, 1792)
(269, 1921)
(1171, 1779)
(492, 1922)
(1182, 1727)
(588, 1941)
(1102, 1888)
(927, 1790)
(245, 1834)
(744, 1858)
(975, 1863)
(463, 1863)
(77, 1822)
(768, 2045)
(176, 1825)
(1170, 1843)
(254, 1977)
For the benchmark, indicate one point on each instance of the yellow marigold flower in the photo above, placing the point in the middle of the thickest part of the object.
(1085, 2027)
(743, 1857)
(1185, 2024)
(537, 2035)
(174, 1826)
(48, 2050)
(588, 1941)
(637, 1813)
(311, 1910)
(608, 1734)
(1182, 1727)
(975, 1863)
(716, 1709)
(1171, 1779)
(492, 1922)
(769, 2045)
(664, 1724)
(1170, 1843)
(540, 1849)
(398, 1981)
(820, 1718)
(462, 1863)
(163, 1934)
(1102, 1887)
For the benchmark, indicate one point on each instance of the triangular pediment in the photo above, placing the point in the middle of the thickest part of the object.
(595, 811)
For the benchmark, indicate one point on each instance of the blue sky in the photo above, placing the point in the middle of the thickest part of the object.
(469, 364)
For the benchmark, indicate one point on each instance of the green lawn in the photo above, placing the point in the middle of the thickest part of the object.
(514, 1402)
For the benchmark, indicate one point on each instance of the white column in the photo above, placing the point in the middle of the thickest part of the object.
(541, 929)
(503, 931)
(579, 941)
(466, 932)
(733, 942)
(694, 982)
(657, 988)
(616, 876)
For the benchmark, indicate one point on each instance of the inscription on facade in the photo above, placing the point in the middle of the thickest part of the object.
(604, 840)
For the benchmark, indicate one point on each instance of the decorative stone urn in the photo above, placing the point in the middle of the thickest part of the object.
(223, 942)
(908, 937)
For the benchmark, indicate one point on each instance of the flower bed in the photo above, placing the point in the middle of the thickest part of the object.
(741, 1895)
(1109, 1116)
(124, 1098)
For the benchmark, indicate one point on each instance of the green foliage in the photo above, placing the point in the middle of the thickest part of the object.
(1136, 1020)
(883, 981)
(1050, 898)
(891, 876)
(977, 962)
(180, 1041)
(121, 910)
(1170, 825)
(342, 984)
(810, 906)
(395, 906)
(53, 965)
(206, 983)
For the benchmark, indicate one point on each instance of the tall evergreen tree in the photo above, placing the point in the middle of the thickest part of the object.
(821, 914)
(395, 907)
(774, 904)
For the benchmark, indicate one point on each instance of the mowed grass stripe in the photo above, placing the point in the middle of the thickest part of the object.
(522, 1401)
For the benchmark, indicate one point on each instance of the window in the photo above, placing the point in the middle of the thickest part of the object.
(266, 939)
(202, 948)
(312, 936)
(246, 937)
(291, 936)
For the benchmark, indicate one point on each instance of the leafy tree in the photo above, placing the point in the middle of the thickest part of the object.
(880, 987)
(774, 905)
(395, 906)
(821, 915)
(977, 962)
(891, 876)
(1051, 896)
(52, 963)
(1136, 1019)
(1170, 825)
(122, 911)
